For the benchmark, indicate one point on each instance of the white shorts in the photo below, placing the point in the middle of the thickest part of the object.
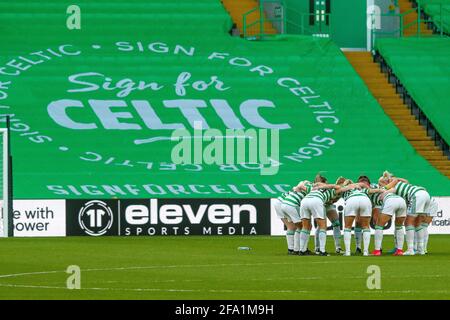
(358, 205)
(292, 213)
(433, 208)
(312, 207)
(394, 205)
(420, 203)
(277, 205)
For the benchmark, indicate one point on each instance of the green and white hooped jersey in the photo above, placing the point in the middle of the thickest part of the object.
(406, 190)
(323, 194)
(355, 193)
(295, 198)
(375, 197)
(283, 195)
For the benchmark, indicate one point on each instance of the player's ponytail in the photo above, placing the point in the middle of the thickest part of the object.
(320, 178)
(340, 181)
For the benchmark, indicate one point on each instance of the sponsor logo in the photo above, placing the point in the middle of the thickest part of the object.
(194, 217)
(95, 218)
(92, 217)
(149, 217)
(39, 218)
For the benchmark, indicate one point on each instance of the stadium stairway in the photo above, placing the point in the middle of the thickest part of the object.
(406, 5)
(393, 106)
(237, 9)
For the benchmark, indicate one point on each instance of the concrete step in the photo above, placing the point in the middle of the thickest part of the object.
(394, 102)
(444, 164)
(414, 136)
(394, 107)
(402, 117)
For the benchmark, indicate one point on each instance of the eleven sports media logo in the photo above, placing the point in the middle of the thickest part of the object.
(95, 218)
(93, 100)
(148, 217)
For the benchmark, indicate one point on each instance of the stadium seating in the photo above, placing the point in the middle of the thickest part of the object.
(410, 19)
(361, 140)
(394, 106)
(439, 12)
(423, 67)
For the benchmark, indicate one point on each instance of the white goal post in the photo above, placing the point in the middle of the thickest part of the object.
(5, 228)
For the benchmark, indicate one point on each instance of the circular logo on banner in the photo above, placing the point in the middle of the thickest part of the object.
(95, 218)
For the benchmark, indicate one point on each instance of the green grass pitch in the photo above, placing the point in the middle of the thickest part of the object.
(212, 268)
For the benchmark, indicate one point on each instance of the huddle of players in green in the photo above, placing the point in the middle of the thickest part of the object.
(411, 205)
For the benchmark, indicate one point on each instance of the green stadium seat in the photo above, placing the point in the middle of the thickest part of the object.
(423, 67)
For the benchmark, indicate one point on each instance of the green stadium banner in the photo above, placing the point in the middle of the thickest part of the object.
(94, 102)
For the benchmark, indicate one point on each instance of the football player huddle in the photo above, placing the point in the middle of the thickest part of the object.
(392, 198)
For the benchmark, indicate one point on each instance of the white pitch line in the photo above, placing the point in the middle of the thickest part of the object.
(195, 266)
(350, 277)
(158, 289)
(174, 267)
(211, 290)
(28, 274)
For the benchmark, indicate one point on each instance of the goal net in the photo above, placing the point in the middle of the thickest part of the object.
(5, 201)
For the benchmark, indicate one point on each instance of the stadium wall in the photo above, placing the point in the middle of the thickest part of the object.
(165, 217)
(348, 23)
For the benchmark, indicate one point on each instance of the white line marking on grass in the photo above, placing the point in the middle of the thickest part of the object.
(197, 266)
(157, 281)
(99, 289)
(343, 277)
(14, 275)
(157, 289)
(28, 274)
(173, 267)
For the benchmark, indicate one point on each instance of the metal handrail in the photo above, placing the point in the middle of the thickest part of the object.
(300, 25)
(402, 27)
(262, 19)
(245, 19)
(441, 10)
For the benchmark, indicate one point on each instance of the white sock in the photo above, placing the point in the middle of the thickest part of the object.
(337, 234)
(358, 237)
(322, 239)
(416, 237)
(366, 239)
(399, 236)
(425, 240)
(410, 230)
(421, 236)
(316, 240)
(395, 238)
(304, 239)
(297, 240)
(347, 239)
(378, 237)
(290, 239)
